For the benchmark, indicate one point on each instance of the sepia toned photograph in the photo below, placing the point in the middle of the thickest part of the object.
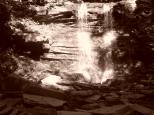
(76, 57)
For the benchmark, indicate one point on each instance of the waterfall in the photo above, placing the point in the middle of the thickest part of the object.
(82, 14)
(108, 38)
(87, 56)
(132, 4)
(108, 20)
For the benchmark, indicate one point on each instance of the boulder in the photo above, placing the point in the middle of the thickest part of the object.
(42, 100)
(53, 80)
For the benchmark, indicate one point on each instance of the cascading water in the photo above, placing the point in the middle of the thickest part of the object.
(87, 64)
(84, 43)
(82, 14)
(87, 56)
(108, 38)
(108, 20)
(88, 60)
(132, 4)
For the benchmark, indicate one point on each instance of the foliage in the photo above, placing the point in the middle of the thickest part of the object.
(7, 63)
(135, 45)
(13, 31)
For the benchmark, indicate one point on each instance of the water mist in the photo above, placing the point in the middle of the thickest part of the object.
(108, 38)
(87, 56)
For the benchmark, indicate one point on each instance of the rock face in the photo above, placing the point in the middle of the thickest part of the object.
(4, 27)
(72, 113)
(34, 99)
(90, 99)
(137, 46)
(102, 1)
(4, 13)
(8, 64)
